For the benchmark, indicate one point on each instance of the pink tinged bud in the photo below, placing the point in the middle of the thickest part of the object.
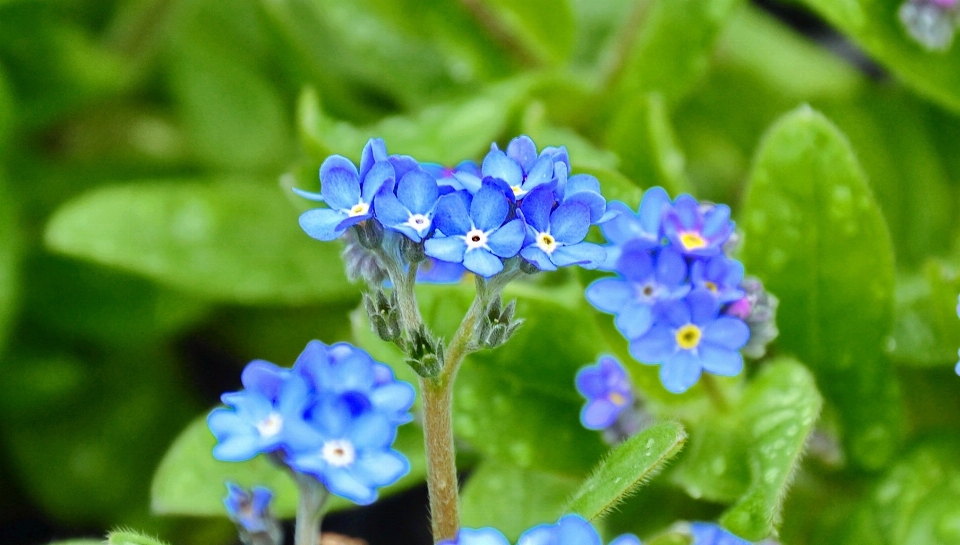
(740, 308)
(946, 3)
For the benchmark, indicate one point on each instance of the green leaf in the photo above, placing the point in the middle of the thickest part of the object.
(926, 331)
(875, 26)
(628, 466)
(79, 542)
(715, 464)
(129, 537)
(446, 133)
(518, 403)
(916, 503)
(641, 134)
(512, 499)
(670, 50)
(778, 411)
(815, 236)
(231, 241)
(190, 481)
(10, 244)
(544, 26)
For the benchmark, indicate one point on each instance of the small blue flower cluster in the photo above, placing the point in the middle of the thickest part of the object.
(569, 530)
(608, 390)
(334, 416)
(677, 297)
(518, 202)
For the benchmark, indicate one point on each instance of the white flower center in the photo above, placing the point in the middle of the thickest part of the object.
(418, 222)
(647, 293)
(518, 191)
(546, 242)
(270, 426)
(475, 238)
(359, 209)
(339, 452)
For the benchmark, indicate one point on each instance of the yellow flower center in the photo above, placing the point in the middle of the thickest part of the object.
(710, 286)
(546, 242)
(692, 240)
(688, 337)
(617, 399)
(359, 209)
(517, 191)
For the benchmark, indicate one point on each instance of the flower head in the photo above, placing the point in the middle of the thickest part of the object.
(476, 230)
(569, 530)
(695, 229)
(482, 536)
(608, 390)
(691, 336)
(705, 533)
(719, 275)
(555, 234)
(522, 168)
(349, 193)
(410, 209)
(466, 175)
(646, 278)
(266, 416)
(354, 457)
(643, 229)
(250, 510)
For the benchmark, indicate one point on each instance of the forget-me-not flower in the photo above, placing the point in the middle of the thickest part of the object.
(647, 277)
(695, 229)
(476, 230)
(466, 175)
(569, 530)
(719, 275)
(555, 235)
(410, 210)
(608, 390)
(480, 536)
(522, 168)
(691, 336)
(250, 510)
(643, 229)
(705, 533)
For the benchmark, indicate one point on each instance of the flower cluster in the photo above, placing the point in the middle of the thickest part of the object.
(932, 23)
(250, 511)
(569, 530)
(678, 298)
(517, 203)
(334, 416)
(612, 404)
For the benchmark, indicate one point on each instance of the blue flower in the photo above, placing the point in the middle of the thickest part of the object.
(697, 230)
(434, 271)
(569, 530)
(690, 336)
(647, 277)
(348, 193)
(466, 175)
(584, 189)
(705, 533)
(249, 510)
(354, 458)
(608, 390)
(626, 539)
(555, 235)
(264, 417)
(719, 275)
(482, 536)
(643, 229)
(522, 168)
(478, 238)
(350, 374)
(410, 210)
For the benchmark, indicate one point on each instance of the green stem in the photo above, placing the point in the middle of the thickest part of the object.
(406, 285)
(309, 509)
(715, 393)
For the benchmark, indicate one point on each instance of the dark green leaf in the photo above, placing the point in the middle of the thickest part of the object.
(926, 331)
(626, 468)
(715, 465)
(79, 542)
(190, 481)
(511, 499)
(778, 411)
(231, 241)
(129, 537)
(10, 249)
(876, 27)
(815, 236)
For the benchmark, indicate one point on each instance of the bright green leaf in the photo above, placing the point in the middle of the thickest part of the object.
(778, 409)
(641, 134)
(926, 331)
(628, 466)
(512, 499)
(715, 464)
(129, 537)
(815, 236)
(445, 133)
(546, 27)
(231, 241)
(876, 27)
(190, 481)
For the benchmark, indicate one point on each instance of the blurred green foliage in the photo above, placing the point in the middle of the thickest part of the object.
(149, 246)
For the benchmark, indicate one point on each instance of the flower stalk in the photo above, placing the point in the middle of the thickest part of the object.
(313, 495)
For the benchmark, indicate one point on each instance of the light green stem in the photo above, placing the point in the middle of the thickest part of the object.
(309, 509)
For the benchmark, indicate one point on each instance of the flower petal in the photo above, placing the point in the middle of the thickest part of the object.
(507, 240)
(570, 222)
(489, 207)
(720, 361)
(634, 320)
(727, 332)
(538, 257)
(655, 346)
(238, 448)
(497, 165)
(263, 377)
(599, 414)
(680, 371)
(375, 150)
(585, 254)
(445, 248)
(536, 208)
(339, 182)
(322, 223)
(389, 210)
(342, 482)
(381, 176)
(655, 202)
(540, 174)
(609, 294)
(523, 150)
(482, 262)
(418, 191)
(451, 216)
(381, 467)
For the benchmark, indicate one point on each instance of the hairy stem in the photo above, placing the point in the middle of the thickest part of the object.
(309, 509)
(441, 458)
(406, 286)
